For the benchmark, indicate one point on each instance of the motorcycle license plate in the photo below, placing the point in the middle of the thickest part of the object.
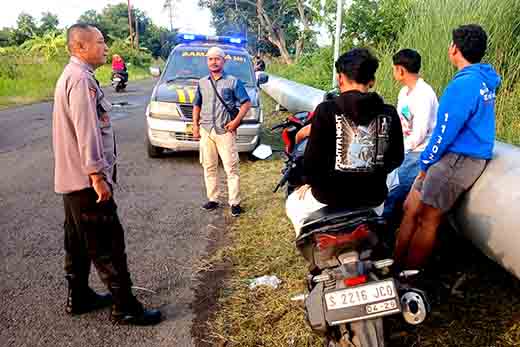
(189, 128)
(117, 79)
(362, 302)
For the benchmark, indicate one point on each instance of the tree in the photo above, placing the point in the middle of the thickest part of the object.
(7, 37)
(26, 28)
(284, 23)
(90, 17)
(113, 23)
(368, 22)
(49, 22)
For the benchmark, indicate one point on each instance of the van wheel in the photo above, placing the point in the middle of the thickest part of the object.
(153, 151)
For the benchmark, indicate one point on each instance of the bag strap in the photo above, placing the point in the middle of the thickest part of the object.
(218, 95)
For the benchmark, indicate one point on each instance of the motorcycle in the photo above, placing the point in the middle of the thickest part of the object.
(351, 284)
(291, 173)
(118, 82)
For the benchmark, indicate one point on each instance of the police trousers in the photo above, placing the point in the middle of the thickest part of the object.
(94, 234)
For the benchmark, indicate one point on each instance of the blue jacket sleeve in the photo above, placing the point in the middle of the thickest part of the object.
(197, 101)
(457, 104)
(240, 92)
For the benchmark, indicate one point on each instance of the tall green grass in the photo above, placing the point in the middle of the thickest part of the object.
(428, 30)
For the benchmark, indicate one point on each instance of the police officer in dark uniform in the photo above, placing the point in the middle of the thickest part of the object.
(85, 173)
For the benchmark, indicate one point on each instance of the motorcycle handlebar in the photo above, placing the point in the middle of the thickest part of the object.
(283, 180)
(278, 126)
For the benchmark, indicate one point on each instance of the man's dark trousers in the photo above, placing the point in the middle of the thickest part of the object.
(93, 234)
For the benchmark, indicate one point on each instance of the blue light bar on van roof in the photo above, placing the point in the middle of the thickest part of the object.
(187, 38)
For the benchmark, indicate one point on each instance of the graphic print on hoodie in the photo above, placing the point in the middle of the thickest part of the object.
(466, 116)
(360, 148)
(345, 163)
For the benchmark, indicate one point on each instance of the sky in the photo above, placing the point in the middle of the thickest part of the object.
(189, 18)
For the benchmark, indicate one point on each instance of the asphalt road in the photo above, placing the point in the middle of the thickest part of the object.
(167, 233)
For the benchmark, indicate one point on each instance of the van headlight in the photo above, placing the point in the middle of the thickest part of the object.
(164, 110)
(253, 114)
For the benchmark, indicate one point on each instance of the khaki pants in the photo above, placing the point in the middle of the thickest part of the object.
(211, 147)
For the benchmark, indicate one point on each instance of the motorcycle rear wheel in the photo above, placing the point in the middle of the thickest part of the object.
(366, 333)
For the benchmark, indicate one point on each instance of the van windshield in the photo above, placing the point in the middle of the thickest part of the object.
(192, 64)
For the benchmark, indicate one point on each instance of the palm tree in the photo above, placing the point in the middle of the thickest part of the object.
(50, 45)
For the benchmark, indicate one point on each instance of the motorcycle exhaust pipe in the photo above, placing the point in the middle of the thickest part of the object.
(415, 307)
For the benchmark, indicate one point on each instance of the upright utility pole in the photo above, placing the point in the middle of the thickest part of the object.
(136, 32)
(168, 4)
(339, 21)
(171, 17)
(130, 24)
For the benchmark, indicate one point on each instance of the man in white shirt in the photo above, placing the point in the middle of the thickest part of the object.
(417, 108)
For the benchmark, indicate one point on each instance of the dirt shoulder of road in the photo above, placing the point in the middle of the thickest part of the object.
(210, 275)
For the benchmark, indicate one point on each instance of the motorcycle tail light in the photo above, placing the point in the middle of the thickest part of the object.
(354, 281)
(294, 120)
(326, 240)
(287, 141)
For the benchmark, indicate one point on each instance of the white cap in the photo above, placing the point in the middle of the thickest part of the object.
(216, 52)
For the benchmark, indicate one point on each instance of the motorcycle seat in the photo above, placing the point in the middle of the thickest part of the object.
(332, 218)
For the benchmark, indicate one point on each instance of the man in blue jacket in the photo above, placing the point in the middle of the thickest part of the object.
(460, 146)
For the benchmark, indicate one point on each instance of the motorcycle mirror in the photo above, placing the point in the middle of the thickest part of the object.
(262, 78)
(262, 152)
(155, 71)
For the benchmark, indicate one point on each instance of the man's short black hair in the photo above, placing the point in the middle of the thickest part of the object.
(74, 29)
(358, 64)
(409, 59)
(471, 40)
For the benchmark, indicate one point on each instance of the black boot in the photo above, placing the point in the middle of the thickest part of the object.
(82, 299)
(128, 310)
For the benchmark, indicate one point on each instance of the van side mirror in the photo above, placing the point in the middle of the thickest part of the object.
(262, 78)
(155, 71)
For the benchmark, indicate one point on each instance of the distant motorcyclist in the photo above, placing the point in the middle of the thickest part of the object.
(119, 67)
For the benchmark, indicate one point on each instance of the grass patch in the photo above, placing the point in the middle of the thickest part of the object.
(31, 81)
(487, 313)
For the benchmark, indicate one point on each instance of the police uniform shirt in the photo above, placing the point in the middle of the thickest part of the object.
(83, 137)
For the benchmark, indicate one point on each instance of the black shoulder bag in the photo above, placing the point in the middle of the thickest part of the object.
(233, 112)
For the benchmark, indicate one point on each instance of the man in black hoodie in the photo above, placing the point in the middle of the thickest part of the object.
(355, 141)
